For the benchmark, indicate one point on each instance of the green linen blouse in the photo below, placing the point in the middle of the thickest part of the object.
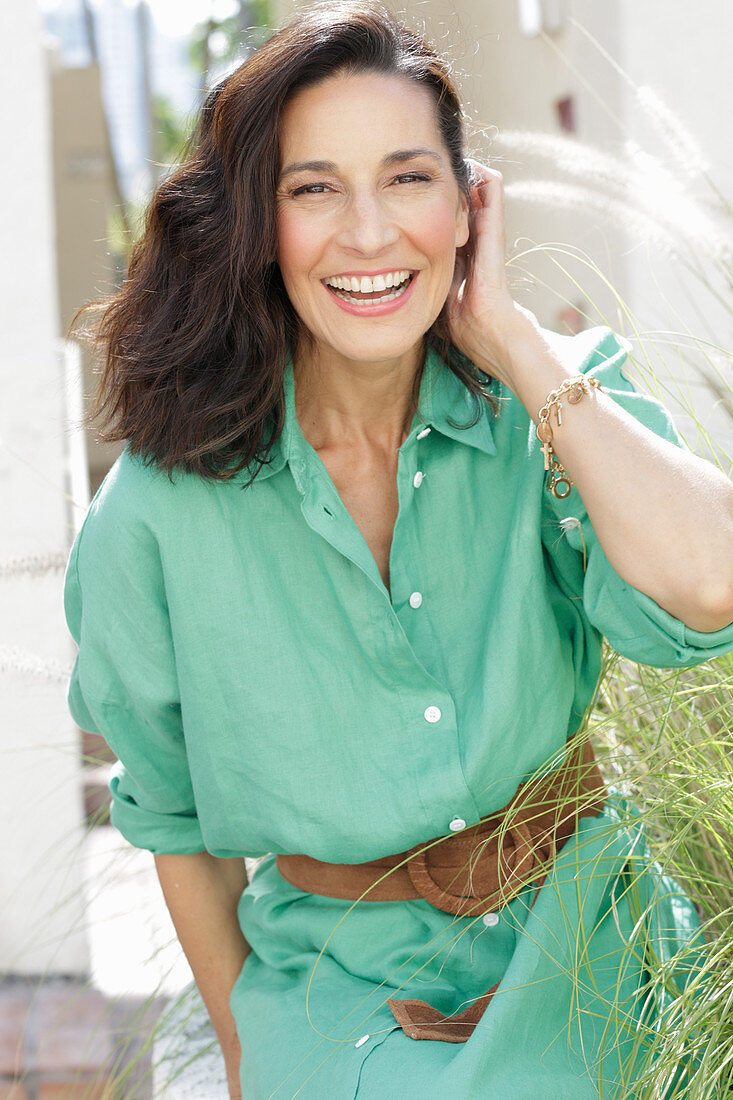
(265, 693)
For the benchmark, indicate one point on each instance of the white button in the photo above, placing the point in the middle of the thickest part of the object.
(417, 479)
(415, 599)
(432, 714)
(422, 433)
(457, 824)
(490, 919)
(360, 1042)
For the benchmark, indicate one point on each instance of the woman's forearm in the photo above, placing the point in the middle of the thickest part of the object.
(663, 516)
(202, 893)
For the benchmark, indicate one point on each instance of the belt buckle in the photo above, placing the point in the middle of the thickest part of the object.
(482, 867)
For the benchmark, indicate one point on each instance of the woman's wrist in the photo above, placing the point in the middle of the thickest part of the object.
(517, 353)
(232, 1062)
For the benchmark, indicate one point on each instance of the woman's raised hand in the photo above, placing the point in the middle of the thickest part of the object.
(480, 309)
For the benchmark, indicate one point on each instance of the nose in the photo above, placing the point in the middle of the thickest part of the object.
(368, 225)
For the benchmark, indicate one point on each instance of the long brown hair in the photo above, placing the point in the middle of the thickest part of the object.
(195, 339)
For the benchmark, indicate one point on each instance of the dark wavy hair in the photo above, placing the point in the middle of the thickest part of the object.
(195, 338)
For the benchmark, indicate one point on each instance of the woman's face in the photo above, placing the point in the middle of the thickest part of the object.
(369, 214)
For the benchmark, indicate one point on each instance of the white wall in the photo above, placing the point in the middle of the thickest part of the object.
(683, 53)
(41, 916)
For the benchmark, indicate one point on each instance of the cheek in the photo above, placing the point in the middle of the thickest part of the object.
(296, 245)
(435, 233)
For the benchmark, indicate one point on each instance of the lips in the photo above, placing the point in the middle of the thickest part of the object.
(383, 294)
(373, 304)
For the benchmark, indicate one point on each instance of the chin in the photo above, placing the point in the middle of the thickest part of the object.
(367, 347)
(378, 351)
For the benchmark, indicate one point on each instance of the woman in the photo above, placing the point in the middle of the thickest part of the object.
(344, 592)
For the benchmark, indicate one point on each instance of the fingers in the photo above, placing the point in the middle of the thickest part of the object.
(481, 173)
(483, 259)
(487, 185)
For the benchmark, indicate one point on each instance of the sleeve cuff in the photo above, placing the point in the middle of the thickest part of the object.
(695, 644)
(652, 636)
(159, 833)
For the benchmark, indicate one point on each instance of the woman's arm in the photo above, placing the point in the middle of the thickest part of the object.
(664, 517)
(202, 893)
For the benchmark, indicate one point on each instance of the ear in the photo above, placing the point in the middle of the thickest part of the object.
(463, 229)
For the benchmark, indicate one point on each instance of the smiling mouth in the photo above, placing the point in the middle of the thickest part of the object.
(376, 297)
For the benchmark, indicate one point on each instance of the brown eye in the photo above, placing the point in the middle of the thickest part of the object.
(413, 177)
(310, 189)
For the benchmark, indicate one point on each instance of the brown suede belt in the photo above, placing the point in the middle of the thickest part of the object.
(467, 873)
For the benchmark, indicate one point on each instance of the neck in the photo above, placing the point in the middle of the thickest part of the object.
(342, 402)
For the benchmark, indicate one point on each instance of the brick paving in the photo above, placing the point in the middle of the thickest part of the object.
(63, 1040)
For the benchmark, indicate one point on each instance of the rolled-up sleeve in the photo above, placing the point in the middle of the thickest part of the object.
(124, 684)
(632, 622)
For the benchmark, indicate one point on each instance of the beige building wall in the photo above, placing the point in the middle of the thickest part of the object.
(82, 198)
(515, 82)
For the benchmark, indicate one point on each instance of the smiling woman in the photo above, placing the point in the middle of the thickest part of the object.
(385, 196)
(367, 240)
(373, 667)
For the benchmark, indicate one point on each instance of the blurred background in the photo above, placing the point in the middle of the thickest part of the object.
(610, 121)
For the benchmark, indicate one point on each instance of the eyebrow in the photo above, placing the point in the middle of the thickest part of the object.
(397, 157)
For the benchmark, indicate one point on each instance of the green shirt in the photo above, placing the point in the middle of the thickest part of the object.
(242, 656)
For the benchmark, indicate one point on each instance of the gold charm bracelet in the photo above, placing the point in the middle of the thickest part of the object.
(574, 387)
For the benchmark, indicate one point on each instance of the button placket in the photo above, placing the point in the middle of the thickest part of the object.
(398, 557)
(415, 598)
(441, 752)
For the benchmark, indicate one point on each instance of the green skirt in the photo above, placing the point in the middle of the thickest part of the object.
(572, 1018)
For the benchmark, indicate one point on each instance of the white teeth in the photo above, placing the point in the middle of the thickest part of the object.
(374, 301)
(367, 284)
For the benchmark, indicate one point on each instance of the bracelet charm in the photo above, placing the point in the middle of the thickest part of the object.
(558, 481)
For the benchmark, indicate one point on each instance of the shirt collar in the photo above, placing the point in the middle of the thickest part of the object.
(442, 397)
